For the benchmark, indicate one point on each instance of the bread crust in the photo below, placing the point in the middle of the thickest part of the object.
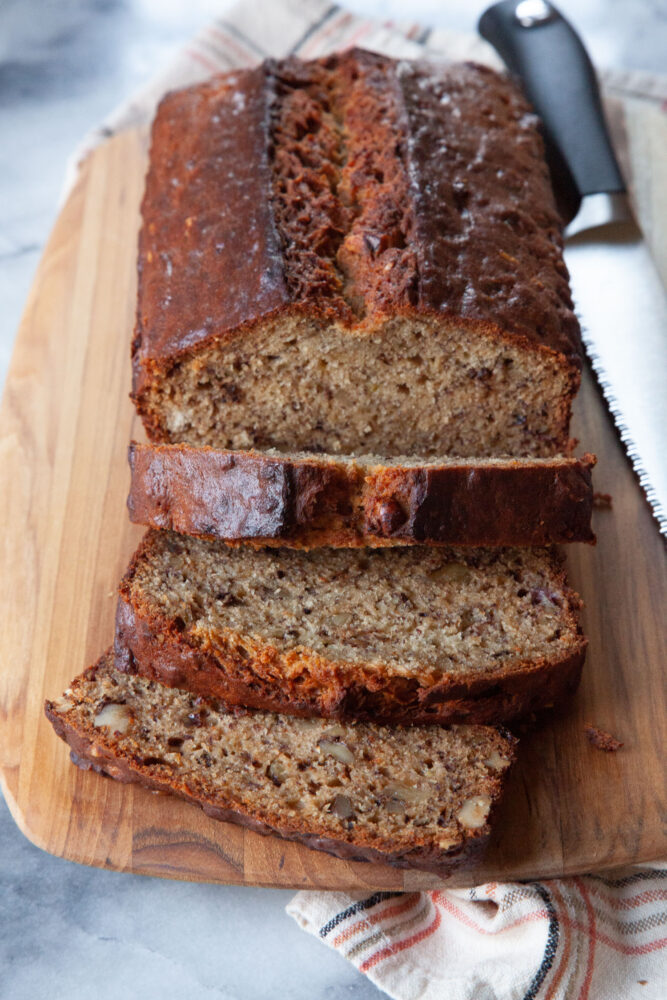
(312, 502)
(93, 750)
(200, 135)
(253, 673)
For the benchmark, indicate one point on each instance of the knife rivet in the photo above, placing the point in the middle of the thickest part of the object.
(533, 12)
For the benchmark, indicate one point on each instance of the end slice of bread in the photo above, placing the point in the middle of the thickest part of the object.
(306, 501)
(420, 797)
(405, 635)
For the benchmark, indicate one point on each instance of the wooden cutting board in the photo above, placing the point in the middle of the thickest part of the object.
(64, 427)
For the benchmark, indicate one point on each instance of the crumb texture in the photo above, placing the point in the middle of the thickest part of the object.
(415, 385)
(394, 790)
(413, 612)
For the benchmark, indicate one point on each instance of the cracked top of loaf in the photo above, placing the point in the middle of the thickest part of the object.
(351, 188)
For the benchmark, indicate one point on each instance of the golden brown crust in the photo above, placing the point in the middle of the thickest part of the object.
(200, 135)
(310, 502)
(251, 671)
(150, 645)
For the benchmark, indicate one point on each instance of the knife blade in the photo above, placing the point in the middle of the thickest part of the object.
(616, 289)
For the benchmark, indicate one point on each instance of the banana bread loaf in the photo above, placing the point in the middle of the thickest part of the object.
(411, 797)
(306, 501)
(353, 255)
(406, 635)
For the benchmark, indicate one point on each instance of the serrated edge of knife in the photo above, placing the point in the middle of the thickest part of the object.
(656, 505)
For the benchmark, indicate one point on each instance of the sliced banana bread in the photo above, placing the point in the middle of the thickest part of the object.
(353, 255)
(306, 501)
(409, 635)
(411, 797)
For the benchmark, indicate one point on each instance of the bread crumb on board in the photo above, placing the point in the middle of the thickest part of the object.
(603, 501)
(601, 740)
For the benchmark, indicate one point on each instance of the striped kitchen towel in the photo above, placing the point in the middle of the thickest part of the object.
(596, 937)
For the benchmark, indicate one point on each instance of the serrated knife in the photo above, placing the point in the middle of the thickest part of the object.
(617, 291)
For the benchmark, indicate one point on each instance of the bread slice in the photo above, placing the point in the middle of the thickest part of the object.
(409, 797)
(353, 236)
(306, 501)
(407, 635)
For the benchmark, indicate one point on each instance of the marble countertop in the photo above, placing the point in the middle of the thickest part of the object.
(67, 931)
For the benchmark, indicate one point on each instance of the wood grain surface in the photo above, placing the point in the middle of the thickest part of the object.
(64, 427)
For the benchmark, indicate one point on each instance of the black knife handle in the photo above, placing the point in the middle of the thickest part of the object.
(544, 51)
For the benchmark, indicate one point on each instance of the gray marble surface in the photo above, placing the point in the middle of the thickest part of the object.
(68, 931)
